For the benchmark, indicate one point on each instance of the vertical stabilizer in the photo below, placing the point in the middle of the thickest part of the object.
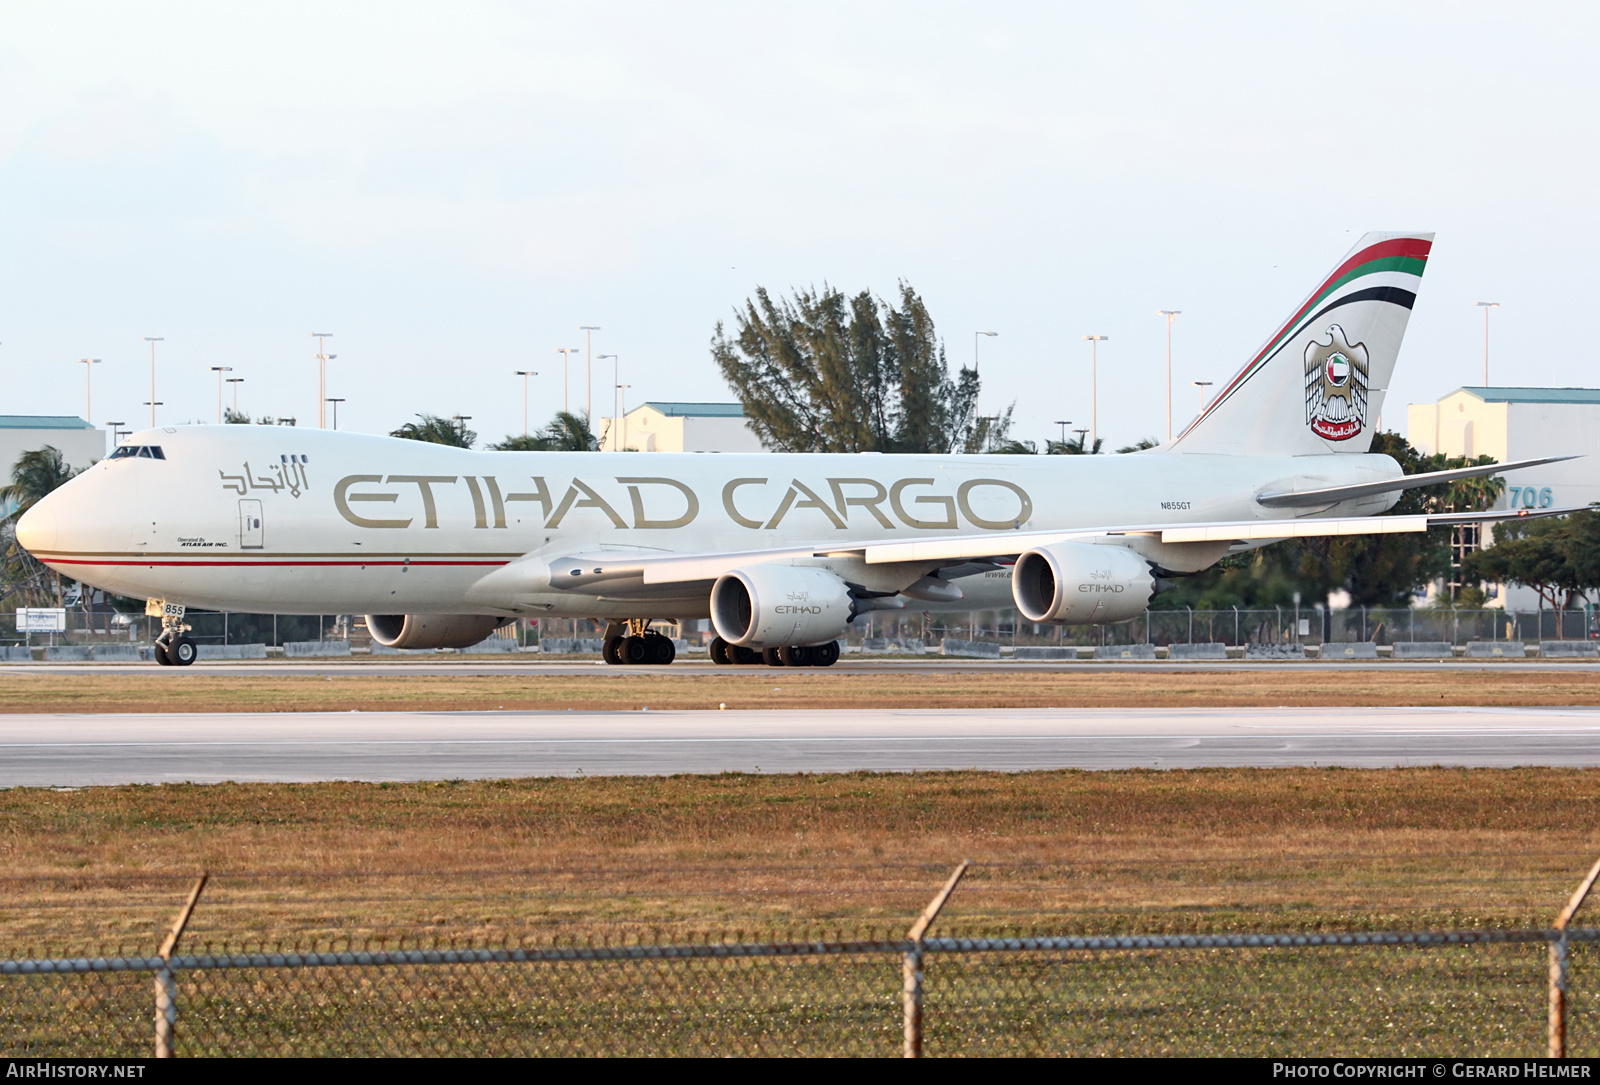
(1317, 385)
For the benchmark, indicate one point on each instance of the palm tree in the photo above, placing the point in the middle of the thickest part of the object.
(1075, 447)
(566, 432)
(34, 475)
(437, 431)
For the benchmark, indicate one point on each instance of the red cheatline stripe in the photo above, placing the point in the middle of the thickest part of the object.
(150, 563)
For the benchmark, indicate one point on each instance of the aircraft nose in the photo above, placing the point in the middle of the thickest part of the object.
(36, 531)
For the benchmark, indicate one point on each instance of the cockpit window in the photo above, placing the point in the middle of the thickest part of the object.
(148, 452)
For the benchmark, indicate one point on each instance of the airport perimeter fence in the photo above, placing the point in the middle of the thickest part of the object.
(1469, 993)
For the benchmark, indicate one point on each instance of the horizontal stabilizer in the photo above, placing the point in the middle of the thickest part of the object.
(1293, 499)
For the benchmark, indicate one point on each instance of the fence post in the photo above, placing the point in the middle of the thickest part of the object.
(911, 971)
(1558, 966)
(166, 984)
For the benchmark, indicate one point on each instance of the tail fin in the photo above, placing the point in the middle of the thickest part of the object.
(1318, 384)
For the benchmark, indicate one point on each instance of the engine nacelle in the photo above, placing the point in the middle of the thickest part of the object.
(1082, 584)
(432, 630)
(771, 606)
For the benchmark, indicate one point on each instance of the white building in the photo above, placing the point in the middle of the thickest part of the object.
(1519, 424)
(681, 427)
(80, 443)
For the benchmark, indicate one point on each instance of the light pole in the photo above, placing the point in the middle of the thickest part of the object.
(1486, 306)
(335, 403)
(117, 432)
(323, 358)
(1094, 384)
(154, 403)
(236, 381)
(1202, 385)
(566, 353)
(1063, 423)
(1169, 314)
(975, 336)
(988, 432)
(615, 378)
(1083, 442)
(622, 399)
(219, 370)
(88, 367)
(461, 421)
(525, 374)
(588, 331)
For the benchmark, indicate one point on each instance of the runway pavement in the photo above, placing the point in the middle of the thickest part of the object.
(80, 750)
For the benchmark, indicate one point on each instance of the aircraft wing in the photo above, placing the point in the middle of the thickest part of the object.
(610, 571)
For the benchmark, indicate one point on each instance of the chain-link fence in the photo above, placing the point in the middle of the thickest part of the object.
(1468, 993)
(1477, 993)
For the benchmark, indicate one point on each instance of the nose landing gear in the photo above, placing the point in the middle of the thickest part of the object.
(173, 648)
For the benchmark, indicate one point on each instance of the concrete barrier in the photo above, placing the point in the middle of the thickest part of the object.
(493, 644)
(69, 653)
(1423, 649)
(971, 649)
(1496, 649)
(308, 649)
(1569, 649)
(1125, 651)
(563, 646)
(115, 653)
(1357, 649)
(16, 653)
(231, 651)
(1197, 651)
(885, 645)
(1275, 651)
(1045, 653)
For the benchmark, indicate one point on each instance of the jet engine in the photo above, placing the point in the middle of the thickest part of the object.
(1082, 584)
(432, 630)
(775, 606)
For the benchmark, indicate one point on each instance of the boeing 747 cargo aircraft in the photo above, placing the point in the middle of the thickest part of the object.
(439, 546)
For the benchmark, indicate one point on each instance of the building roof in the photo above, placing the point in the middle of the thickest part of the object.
(698, 410)
(1534, 395)
(43, 421)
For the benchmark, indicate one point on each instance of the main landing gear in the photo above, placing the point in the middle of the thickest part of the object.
(631, 643)
(825, 654)
(173, 648)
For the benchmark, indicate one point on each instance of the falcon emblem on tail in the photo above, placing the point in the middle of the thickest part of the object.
(1336, 386)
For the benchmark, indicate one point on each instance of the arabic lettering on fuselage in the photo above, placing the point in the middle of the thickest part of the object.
(380, 501)
(289, 475)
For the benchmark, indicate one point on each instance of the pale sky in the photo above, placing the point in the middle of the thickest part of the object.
(452, 188)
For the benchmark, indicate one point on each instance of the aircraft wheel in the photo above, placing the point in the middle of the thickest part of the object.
(662, 650)
(611, 651)
(794, 655)
(745, 656)
(161, 654)
(825, 655)
(184, 652)
(721, 652)
(771, 658)
(635, 651)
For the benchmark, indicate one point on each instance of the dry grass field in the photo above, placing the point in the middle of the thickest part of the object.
(615, 858)
(759, 688)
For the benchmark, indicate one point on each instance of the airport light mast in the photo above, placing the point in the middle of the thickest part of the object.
(1094, 385)
(566, 356)
(323, 357)
(88, 367)
(219, 370)
(1486, 306)
(525, 374)
(1169, 314)
(235, 381)
(588, 331)
(153, 403)
(615, 378)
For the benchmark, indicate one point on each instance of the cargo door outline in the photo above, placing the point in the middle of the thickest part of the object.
(251, 534)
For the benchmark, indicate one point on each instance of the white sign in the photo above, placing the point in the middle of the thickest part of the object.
(41, 620)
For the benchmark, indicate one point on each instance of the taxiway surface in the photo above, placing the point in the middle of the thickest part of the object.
(81, 750)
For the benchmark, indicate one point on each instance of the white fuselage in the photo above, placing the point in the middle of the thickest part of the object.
(281, 520)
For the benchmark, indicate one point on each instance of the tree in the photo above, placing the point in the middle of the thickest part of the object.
(438, 431)
(231, 417)
(820, 372)
(1138, 446)
(566, 432)
(1075, 447)
(1376, 570)
(1558, 557)
(35, 475)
